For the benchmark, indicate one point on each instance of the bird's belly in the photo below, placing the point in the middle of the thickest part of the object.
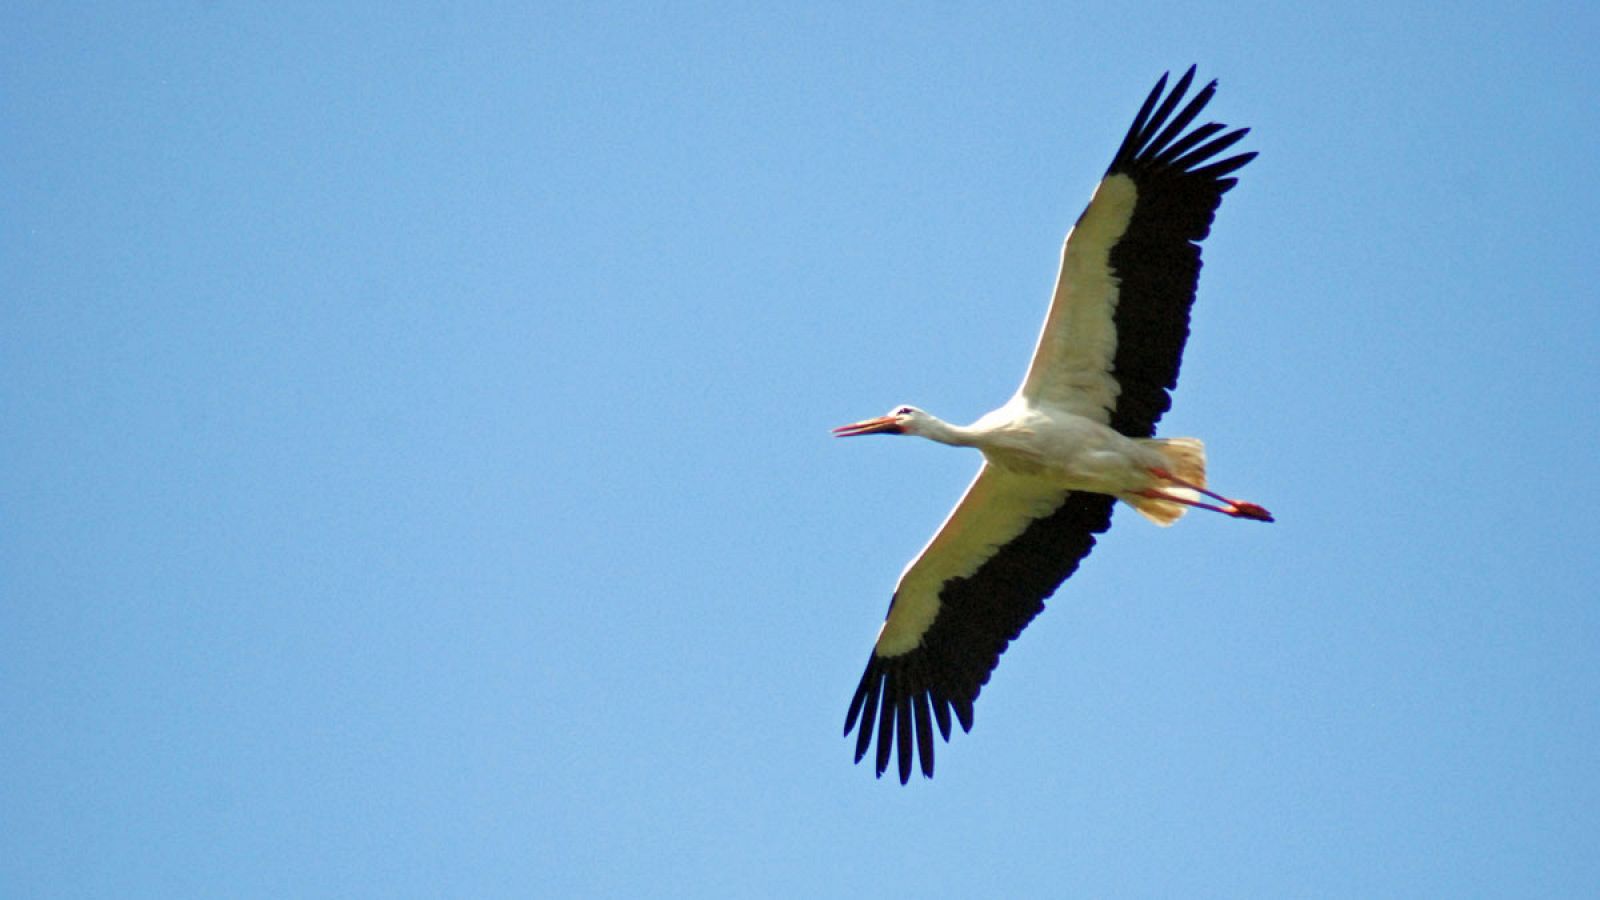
(1083, 459)
(1102, 471)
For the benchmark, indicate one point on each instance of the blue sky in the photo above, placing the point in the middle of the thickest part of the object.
(416, 475)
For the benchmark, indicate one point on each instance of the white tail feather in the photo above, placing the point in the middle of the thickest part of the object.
(1186, 460)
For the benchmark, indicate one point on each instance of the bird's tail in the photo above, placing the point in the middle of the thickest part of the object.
(1186, 459)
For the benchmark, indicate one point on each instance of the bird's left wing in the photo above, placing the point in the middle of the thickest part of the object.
(1005, 547)
(1119, 317)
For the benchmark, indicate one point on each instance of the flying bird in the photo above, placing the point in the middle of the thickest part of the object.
(1077, 436)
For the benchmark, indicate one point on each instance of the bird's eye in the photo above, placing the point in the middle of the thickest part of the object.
(904, 411)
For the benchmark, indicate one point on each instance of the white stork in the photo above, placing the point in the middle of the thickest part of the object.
(1075, 438)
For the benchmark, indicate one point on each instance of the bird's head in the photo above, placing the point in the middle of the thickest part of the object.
(901, 420)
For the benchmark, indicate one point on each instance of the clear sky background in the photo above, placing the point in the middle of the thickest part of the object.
(415, 476)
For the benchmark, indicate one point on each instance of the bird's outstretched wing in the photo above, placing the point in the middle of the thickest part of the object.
(1005, 548)
(1114, 337)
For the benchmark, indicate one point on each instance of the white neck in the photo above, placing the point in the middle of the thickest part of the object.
(936, 429)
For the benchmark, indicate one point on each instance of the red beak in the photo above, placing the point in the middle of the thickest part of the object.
(880, 425)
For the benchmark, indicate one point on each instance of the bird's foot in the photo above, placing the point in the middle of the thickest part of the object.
(1244, 509)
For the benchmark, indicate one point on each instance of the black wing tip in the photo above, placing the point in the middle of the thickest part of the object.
(890, 706)
(886, 718)
(924, 719)
(903, 737)
(964, 714)
(904, 727)
(1156, 138)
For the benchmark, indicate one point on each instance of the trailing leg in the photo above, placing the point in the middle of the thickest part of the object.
(1239, 509)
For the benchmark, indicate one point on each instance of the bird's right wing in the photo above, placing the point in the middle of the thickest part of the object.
(1006, 546)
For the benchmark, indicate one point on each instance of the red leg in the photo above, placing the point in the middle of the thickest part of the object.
(1239, 509)
(1164, 475)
